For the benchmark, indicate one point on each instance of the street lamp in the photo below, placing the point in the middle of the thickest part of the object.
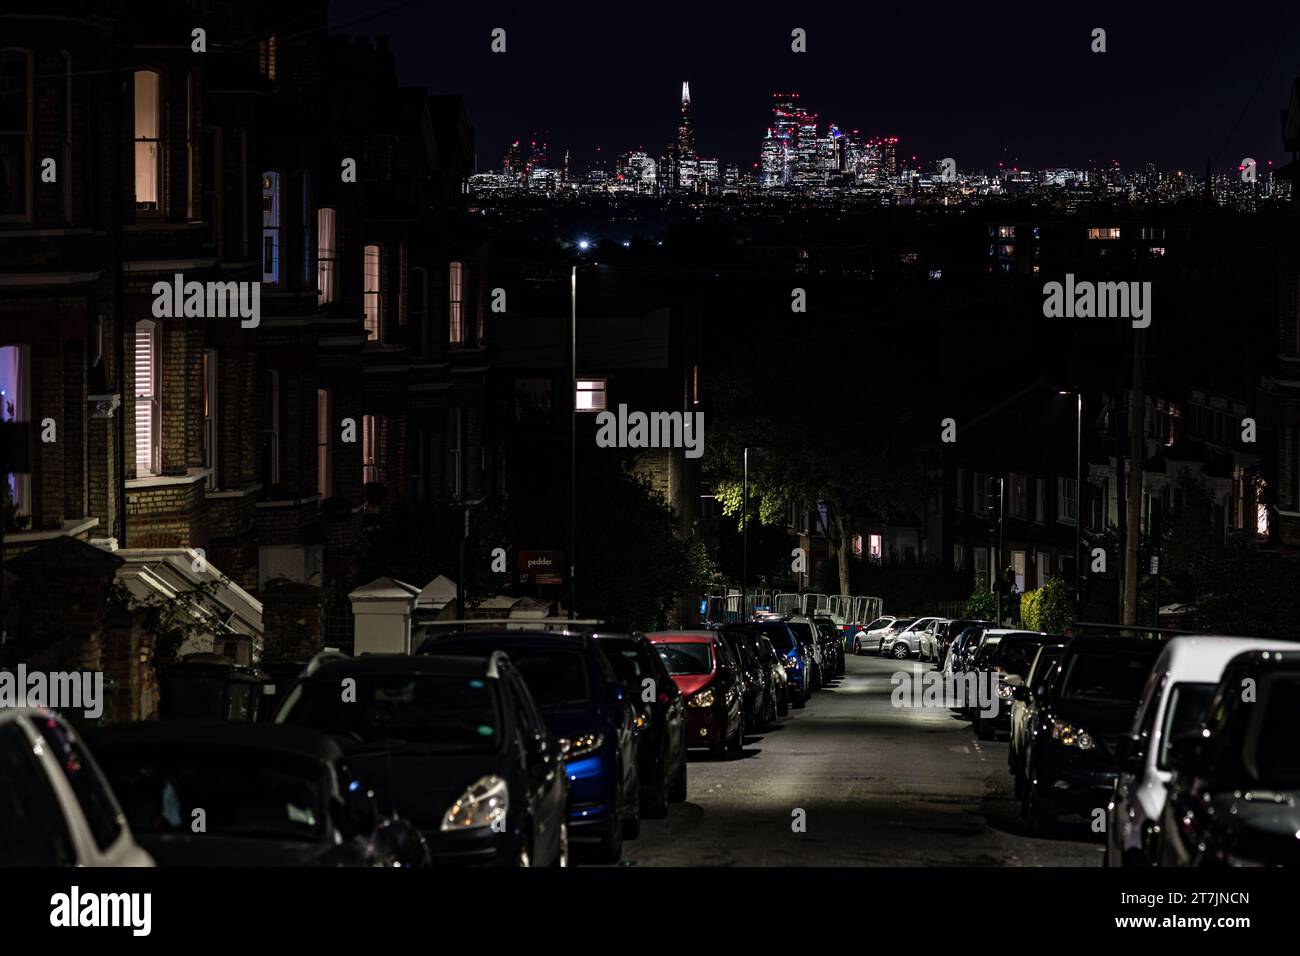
(1078, 495)
(573, 438)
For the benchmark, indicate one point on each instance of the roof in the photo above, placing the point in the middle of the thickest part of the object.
(1202, 658)
(228, 733)
(444, 665)
(484, 642)
(680, 637)
(384, 589)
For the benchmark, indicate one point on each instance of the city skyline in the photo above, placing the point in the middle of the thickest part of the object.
(1027, 93)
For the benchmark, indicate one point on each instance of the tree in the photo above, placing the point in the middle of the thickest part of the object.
(982, 604)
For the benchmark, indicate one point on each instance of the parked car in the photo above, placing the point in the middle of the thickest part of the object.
(1025, 700)
(775, 663)
(950, 632)
(903, 643)
(56, 807)
(770, 674)
(650, 688)
(984, 661)
(810, 640)
(709, 678)
(1072, 759)
(1010, 661)
(928, 645)
(755, 680)
(586, 710)
(832, 651)
(953, 661)
(793, 657)
(872, 634)
(887, 635)
(217, 793)
(1234, 797)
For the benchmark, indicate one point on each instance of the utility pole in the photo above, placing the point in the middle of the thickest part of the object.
(1137, 451)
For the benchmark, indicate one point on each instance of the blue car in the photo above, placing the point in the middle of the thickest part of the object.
(584, 704)
(798, 668)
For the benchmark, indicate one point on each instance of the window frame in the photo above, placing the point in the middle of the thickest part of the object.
(327, 273)
(27, 136)
(374, 323)
(153, 397)
(456, 302)
(158, 207)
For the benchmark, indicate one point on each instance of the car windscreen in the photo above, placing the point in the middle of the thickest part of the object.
(780, 636)
(442, 713)
(241, 791)
(1183, 714)
(903, 623)
(802, 631)
(556, 678)
(627, 659)
(1017, 656)
(1110, 676)
(1271, 757)
(687, 657)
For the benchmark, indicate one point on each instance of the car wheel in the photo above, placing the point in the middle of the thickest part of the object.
(800, 699)
(738, 747)
(562, 851)
(783, 705)
(901, 652)
(1037, 817)
(610, 848)
(677, 789)
(656, 807)
(857, 647)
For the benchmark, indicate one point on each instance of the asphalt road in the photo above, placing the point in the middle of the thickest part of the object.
(879, 786)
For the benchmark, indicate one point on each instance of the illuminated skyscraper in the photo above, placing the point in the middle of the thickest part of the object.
(686, 127)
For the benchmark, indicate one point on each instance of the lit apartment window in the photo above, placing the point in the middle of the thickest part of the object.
(266, 57)
(15, 133)
(210, 415)
(373, 298)
(324, 486)
(271, 227)
(146, 398)
(326, 273)
(369, 449)
(1067, 500)
(875, 547)
(456, 304)
(1006, 232)
(591, 395)
(14, 388)
(148, 155)
(1103, 232)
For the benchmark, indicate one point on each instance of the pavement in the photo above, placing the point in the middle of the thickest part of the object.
(877, 786)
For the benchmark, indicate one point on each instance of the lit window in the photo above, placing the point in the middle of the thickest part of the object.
(148, 156)
(323, 476)
(14, 389)
(271, 227)
(591, 395)
(1104, 232)
(266, 57)
(326, 275)
(15, 133)
(373, 298)
(456, 304)
(875, 547)
(146, 398)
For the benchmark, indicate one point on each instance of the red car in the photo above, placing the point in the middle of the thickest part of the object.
(709, 678)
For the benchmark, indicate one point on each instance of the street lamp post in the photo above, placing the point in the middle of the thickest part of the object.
(573, 439)
(744, 530)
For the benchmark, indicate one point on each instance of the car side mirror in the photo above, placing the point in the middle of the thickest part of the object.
(1187, 751)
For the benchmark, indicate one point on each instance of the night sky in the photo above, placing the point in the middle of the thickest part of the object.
(980, 83)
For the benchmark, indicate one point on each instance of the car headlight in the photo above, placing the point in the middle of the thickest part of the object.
(703, 699)
(1072, 735)
(481, 805)
(1004, 691)
(581, 745)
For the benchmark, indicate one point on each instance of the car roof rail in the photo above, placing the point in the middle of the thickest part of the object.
(322, 658)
